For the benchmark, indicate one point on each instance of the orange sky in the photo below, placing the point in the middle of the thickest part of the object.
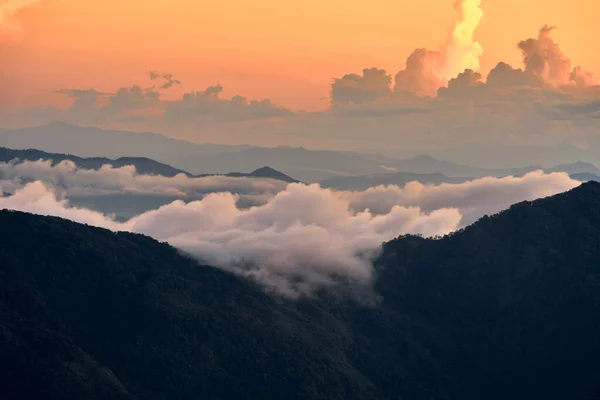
(286, 51)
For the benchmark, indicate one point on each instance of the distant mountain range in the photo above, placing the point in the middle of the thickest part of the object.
(502, 157)
(585, 177)
(306, 165)
(300, 163)
(127, 205)
(142, 165)
(359, 183)
(262, 172)
(61, 137)
(580, 171)
(504, 309)
(198, 159)
(425, 164)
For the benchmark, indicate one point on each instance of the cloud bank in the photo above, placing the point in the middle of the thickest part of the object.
(300, 239)
(70, 181)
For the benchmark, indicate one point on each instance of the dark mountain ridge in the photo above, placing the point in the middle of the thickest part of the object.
(525, 286)
(263, 172)
(508, 307)
(143, 165)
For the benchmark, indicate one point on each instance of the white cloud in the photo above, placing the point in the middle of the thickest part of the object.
(68, 178)
(303, 237)
(473, 199)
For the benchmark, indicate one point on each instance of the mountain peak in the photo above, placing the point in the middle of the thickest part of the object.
(264, 169)
(58, 123)
(424, 158)
(268, 172)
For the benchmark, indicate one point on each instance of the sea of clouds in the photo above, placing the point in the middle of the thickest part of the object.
(294, 238)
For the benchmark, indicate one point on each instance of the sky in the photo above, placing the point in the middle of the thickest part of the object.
(286, 52)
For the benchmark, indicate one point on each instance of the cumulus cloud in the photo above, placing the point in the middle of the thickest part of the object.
(462, 51)
(207, 103)
(504, 75)
(304, 237)
(543, 57)
(466, 85)
(428, 70)
(420, 76)
(374, 83)
(452, 72)
(473, 199)
(143, 106)
(545, 102)
(85, 99)
(132, 98)
(91, 106)
(67, 178)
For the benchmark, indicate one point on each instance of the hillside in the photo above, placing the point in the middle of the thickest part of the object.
(516, 294)
(506, 308)
(86, 313)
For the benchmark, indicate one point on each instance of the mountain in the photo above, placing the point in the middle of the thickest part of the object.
(61, 137)
(364, 182)
(263, 172)
(142, 165)
(506, 156)
(575, 168)
(306, 165)
(87, 313)
(505, 308)
(421, 168)
(585, 176)
(499, 157)
(425, 164)
(268, 172)
(124, 206)
(514, 297)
